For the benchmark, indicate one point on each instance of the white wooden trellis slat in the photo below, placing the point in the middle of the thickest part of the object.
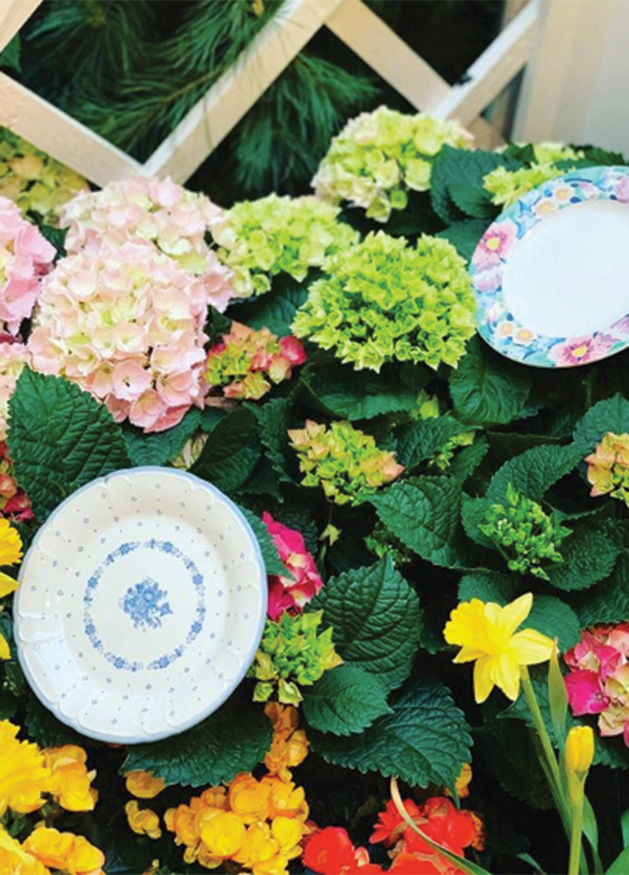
(228, 100)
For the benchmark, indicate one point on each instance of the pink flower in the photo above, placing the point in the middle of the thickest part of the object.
(293, 350)
(580, 351)
(13, 358)
(130, 380)
(495, 244)
(292, 591)
(584, 693)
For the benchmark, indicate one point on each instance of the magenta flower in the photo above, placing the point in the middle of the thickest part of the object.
(292, 591)
(584, 693)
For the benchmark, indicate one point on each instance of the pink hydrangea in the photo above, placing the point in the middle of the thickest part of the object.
(13, 357)
(25, 256)
(292, 591)
(173, 219)
(598, 681)
(126, 324)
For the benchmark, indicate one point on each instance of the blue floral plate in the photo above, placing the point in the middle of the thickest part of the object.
(551, 273)
(141, 604)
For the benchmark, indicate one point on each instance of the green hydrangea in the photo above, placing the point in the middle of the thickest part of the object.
(343, 460)
(33, 180)
(260, 239)
(379, 155)
(524, 533)
(292, 654)
(508, 186)
(382, 543)
(385, 301)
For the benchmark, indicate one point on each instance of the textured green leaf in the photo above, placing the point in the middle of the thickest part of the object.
(467, 460)
(424, 438)
(488, 586)
(231, 452)
(274, 310)
(465, 235)
(272, 561)
(375, 618)
(609, 601)
(341, 391)
(8, 704)
(274, 423)
(612, 414)
(456, 185)
(163, 446)
(589, 555)
(534, 471)
(486, 389)
(423, 513)
(554, 618)
(473, 512)
(424, 740)
(510, 750)
(60, 438)
(345, 700)
(14, 680)
(233, 739)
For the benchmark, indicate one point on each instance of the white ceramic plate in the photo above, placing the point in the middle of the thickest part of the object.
(141, 604)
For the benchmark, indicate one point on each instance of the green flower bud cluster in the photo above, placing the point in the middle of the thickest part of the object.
(343, 460)
(260, 239)
(384, 301)
(524, 533)
(445, 455)
(33, 180)
(292, 654)
(382, 543)
(379, 155)
(508, 186)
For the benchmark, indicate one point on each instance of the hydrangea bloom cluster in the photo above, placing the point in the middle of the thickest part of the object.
(598, 681)
(25, 256)
(379, 155)
(13, 358)
(126, 324)
(14, 503)
(290, 591)
(158, 211)
(343, 460)
(258, 824)
(47, 847)
(248, 362)
(385, 301)
(292, 654)
(33, 180)
(608, 467)
(260, 239)
(524, 533)
(508, 186)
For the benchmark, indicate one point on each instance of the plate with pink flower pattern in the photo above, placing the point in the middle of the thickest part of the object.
(141, 604)
(550, 273)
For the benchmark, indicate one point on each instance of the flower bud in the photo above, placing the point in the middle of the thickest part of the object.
(579, 751)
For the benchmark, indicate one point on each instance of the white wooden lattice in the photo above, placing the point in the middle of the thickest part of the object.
(231, 96)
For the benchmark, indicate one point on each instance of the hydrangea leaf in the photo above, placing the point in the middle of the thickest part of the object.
(609, 601)
(589, 555)
(345, 700)
(376, 620)
(488, 586)
(473, 512)
(424, 741)
(424, 438)
(555, 619)
(612, 414)
(233, 739)
(272, 561)
(163, 446)
(534, 471)
(487, 389)
(8, 704)
(231, 451)
(341, 391)
(423, 513)
(465, 235)
(457, 183)
(275, 310)
(509, 748)
(10, 54)
(60, 439)
(274, 419)
(468, 459)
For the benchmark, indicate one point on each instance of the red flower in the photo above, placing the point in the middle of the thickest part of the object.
(292, 591)
(330, 851)
(390, 825)
(412, 864)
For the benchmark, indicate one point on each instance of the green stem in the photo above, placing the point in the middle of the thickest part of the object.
(575, 838)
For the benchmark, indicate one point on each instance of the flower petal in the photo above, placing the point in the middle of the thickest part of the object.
(513, 614)
(5, 652)
(7, 584)
(483, 679)
(467, 622)
(529, 647)
(506, 674)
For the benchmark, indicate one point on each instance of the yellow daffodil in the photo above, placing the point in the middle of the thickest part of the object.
(144, 785)
(487, 635)
(579, 749)
(23, 772)
(142, 821)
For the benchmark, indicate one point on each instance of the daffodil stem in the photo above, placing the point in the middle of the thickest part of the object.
(575, 838)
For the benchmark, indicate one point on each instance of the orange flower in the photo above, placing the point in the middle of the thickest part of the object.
(223, 835)
(249, 798)
(182, 822)
(286, 798)
(70, 781)
(283, 717)
(214, 797)
(142, 821)
(63, 850)
(144, 785)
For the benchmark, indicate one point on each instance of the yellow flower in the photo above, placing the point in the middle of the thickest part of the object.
(5, 650)
(182, 822)
(486, 633)
(23, 772)
(63, 850)
(15, 860)
(289, 833)
(214, 797)
(286, 798)
(144, 785)
(10, 544)
(249, 798)
(259, 845)
(579, 751)
(223, 836)
(142, 821)
(70, 781)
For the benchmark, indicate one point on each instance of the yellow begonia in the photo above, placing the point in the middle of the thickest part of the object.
(70, 781)
(23, 772)
(144, 785)
(15, 860)
(63, 850)
(259, 845)
(249, 799)
(286, 798)
(487, 635)
(289, 746)
(224, 834)
(10, 553)
(143, 821)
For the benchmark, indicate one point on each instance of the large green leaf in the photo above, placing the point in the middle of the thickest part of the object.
(231, 452)
(589, 555)
(612, 414)
(609, 601)
(534, 471)
(163, 446)
(456, 185)
(424, 438)
(376, 620)
(424, 741)
(488, 586)
(274, 423)
(465, 235)
(423, 513)
(233, 739)
(60, 438)
(488, 390)
(272, 561)
(345, 700)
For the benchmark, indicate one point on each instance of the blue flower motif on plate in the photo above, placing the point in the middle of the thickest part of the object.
(145, 604)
